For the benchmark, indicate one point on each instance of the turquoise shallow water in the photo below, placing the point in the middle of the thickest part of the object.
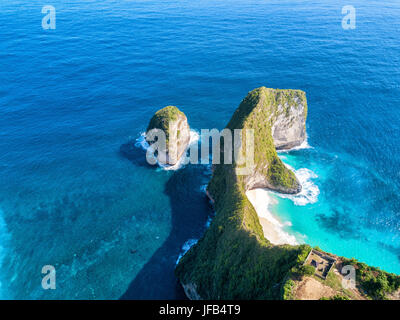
(344, 217)
(114, 227)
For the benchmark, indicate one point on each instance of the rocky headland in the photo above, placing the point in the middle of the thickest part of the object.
(234, 259)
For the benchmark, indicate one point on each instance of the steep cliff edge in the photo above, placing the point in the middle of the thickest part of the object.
(174, 124)
(268, 112)
(288, 126)
(233, 260)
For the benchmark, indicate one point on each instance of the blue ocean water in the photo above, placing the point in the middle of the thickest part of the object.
(113, 227)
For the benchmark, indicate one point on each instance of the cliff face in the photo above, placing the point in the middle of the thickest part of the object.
(278, 120)
(176, 128)
(191, 291)
(289, 125)
(233, 260)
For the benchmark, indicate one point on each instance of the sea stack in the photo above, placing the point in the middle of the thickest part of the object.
(174, 124)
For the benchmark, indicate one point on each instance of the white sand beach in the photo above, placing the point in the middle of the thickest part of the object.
(272, 227)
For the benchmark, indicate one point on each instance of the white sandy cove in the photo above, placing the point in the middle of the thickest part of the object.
(273, 229)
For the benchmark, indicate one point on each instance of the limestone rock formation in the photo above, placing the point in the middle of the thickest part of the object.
(233, 260)
(278, 120)
(289, 126)
(174, 124)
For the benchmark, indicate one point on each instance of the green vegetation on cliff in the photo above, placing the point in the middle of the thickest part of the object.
(375, 282)
(163, 117)
(258, 111)
(371, 282)
(234, 260)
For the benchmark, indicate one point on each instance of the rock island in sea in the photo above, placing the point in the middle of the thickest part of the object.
(173, 123)
(234, 259)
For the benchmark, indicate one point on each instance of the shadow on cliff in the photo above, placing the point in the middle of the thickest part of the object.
(190, 210)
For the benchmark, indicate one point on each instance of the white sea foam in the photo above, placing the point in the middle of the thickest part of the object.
(309, 192)
(142, 143)
(303, 145)
(186, 247)
(208, 222)
(272, 227)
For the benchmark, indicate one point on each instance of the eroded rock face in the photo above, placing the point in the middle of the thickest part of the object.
(174, 124)
(191, 291)
(258, 180)
(289, 128)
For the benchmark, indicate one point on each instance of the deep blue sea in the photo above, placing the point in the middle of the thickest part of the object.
(113, 227)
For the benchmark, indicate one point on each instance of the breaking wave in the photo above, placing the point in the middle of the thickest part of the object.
(186, 247)
(304, 145)
(142, 143)
(309, 192)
